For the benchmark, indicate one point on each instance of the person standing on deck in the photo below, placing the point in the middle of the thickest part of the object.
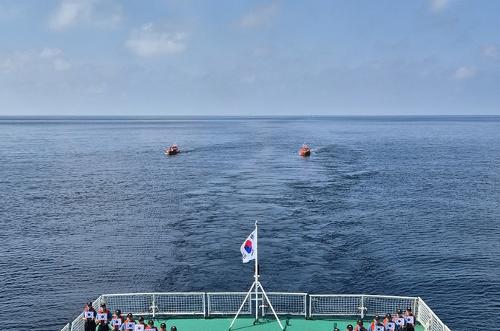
(140, 325)
(151, 326)
(102, 326)
(388, 323)
(88, 317)
(103, 310)
(409, 320)
(376, 325)
(117, 320)
(129, 323)
(359, 326)
(163, 327)
(349, 327)
(400, 321)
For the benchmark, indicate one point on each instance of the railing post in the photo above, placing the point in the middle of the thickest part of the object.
(363, 308)
(208, 304)
(310, 307)
(154, 306)
(204, 306)
(305, 305)
(416, 307)
(263, 307)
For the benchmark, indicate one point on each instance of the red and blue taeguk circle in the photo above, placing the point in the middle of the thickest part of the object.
(248, 246)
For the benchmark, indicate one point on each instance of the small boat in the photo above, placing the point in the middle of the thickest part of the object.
(305, 150)
(172, 150)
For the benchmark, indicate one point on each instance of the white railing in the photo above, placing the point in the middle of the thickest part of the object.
(227, 303)
(174, 303)
(287, 303)
(335, 305)
(357, 304)
(428, 319)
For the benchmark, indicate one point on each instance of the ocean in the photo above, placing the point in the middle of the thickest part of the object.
(384, 205)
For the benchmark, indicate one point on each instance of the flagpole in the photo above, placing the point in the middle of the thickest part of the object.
(256, 283)
(256, 273)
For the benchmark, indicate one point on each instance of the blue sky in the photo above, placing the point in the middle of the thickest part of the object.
(183, 57)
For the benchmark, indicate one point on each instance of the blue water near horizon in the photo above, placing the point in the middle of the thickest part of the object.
(385, 205)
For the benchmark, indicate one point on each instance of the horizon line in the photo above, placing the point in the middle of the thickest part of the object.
(28, 117)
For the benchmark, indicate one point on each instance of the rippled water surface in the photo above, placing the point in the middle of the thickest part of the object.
(397, 206)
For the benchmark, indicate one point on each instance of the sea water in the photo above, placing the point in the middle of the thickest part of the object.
(384, 205)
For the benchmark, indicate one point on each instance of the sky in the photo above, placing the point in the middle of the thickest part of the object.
(261, 57)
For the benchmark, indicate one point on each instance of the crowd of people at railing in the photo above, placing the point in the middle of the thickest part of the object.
(104, 320)
(397, 322)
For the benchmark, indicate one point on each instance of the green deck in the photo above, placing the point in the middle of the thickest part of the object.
(246, 324)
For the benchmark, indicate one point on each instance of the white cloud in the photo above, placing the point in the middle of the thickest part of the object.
(48, 53)
(259, 17)
(463, 73)
(100, 13)
(490, 51)
(71, 12)
(15, 62)
(56, 57)
(439, 5)
(33, 61)
(149, 41)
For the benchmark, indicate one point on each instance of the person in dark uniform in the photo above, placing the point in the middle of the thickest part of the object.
(349, 327)
(173, 328)
(88, 317)
(102, 326)
(163, 327)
